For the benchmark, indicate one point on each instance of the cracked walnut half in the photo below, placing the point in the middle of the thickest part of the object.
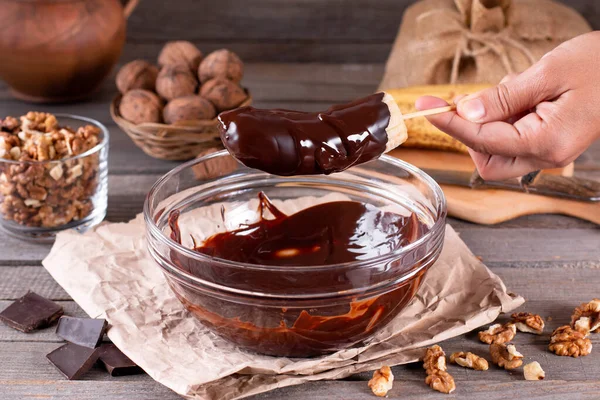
(586, 317)
(528, 322)
(438, 378)
(498, 333)
(505, 355)
(469, 360)
(566, 341)
(382, 381)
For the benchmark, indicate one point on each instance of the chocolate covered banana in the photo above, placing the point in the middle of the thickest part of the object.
(285, 142)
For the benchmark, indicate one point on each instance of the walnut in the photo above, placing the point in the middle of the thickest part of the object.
(529, 323)
(10, 124)
(498, 333)
(56, 172)
(138, 74)
(38, 121)
(586, 317)
(175, 81)
(533, 371)
(188, 108)
(224, 94)
(434, 364)
(566, 341)
(180, 52)
(214, 168)
(441, 381)
(506, 355)
(221, 64)
(469, 360)
(15, 153)
(434, 358)
(382, 381)
(139, 106)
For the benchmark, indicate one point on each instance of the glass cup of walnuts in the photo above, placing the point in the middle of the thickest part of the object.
(53, 174)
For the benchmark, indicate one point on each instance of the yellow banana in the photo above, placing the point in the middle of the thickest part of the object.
(421, 134)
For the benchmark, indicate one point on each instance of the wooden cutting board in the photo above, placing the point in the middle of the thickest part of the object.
(491, 206)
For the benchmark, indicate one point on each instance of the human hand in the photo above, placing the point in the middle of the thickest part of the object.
(542, 118)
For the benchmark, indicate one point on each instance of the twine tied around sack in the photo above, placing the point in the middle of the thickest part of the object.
(495, 42)
(490, 41)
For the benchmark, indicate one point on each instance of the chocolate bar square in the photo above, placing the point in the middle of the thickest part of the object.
(31, 312)
(73, 360)
(117, 363)
(86, 332)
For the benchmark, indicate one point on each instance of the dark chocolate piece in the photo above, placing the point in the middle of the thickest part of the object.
(86, 332)
(73, 360)
(284, 142)
(31, 312)
(117, 363)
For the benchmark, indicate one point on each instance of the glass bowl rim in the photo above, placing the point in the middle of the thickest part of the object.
(438, 225)
(95, 149)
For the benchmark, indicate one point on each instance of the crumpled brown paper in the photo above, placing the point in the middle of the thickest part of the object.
(109, 273)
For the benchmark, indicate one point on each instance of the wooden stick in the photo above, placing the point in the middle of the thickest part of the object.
(433, 111)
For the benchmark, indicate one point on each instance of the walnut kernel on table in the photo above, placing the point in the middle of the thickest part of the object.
(137, 74)
(175, 81)
(469, 360)
(180, 52)
(528, 323)
(586, 317)
(434, 363)
(506, 355)
(565, 341)
(533, 372)
(382, 381)
(498, 333)
(55, 191)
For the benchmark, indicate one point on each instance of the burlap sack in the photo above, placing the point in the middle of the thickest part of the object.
(476, 41)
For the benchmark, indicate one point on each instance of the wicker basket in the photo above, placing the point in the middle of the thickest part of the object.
(182, 141)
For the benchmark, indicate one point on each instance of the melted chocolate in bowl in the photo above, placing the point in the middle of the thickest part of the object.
(328, 234)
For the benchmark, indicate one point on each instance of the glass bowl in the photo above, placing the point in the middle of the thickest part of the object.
(293, 311)
(40, 198)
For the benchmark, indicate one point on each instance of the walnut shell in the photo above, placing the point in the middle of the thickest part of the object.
(140, 106)
(175, 81)
(180, 52)
(224, 94)
(221, 64)
(138, 74)
(216, 167)
(188, 108)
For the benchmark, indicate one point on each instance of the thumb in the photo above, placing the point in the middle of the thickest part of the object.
(510, 97)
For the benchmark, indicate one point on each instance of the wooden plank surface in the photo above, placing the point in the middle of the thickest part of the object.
(26, 352)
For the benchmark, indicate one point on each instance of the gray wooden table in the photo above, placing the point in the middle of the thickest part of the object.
(553, 261)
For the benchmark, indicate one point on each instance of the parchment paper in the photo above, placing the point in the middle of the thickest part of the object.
(109, 273)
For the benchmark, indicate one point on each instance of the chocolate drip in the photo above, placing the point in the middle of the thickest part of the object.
(284, 142)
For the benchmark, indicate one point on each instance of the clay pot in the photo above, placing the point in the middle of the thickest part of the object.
(60, 50)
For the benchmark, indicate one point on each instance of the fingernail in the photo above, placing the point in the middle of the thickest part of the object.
(472, 109)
